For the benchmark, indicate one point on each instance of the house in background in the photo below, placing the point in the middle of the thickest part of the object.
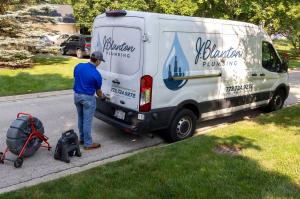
(63, 18)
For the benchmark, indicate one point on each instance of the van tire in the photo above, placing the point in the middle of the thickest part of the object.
(277, 101)
(79, 53)
(63, 51)
(183, 125)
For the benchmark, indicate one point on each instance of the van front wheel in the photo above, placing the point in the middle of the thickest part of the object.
(182, 126)
(277, 101)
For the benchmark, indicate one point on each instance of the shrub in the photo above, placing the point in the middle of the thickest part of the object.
(15, 58)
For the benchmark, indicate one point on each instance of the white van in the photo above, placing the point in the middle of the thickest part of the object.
(166, 71)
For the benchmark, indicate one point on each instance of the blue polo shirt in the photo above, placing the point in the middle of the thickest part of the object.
(87, 79)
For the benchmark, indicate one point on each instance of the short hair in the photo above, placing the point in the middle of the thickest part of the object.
(93, 59)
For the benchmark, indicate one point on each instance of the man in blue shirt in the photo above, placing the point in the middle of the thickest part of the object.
(87, 82)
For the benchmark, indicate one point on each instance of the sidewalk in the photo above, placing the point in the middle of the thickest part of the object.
(35, 95)
(58, 114)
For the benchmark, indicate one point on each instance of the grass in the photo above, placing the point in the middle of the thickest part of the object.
(284, 46)
(49, 73)
(267, 167)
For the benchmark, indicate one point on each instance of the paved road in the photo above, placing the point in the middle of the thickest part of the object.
(57, 114)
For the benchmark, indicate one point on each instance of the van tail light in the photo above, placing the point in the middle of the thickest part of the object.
(146, 93)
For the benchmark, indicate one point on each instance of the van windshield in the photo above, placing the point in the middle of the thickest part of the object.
(121, 47)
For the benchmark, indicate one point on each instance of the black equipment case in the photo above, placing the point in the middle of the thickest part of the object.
(68, 145)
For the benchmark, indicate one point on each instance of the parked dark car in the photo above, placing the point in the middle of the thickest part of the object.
(79, 45)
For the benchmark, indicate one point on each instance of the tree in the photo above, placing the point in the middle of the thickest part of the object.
(291, 26)
(278, 16)
(179, 7)
(86, 10)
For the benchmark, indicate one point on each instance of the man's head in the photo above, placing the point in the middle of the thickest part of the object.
(97, 57)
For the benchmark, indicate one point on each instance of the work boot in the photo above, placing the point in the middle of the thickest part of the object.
(92, 146)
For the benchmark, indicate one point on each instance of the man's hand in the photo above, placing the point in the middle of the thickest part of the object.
(99, 93)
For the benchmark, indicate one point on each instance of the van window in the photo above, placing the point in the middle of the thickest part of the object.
(270, 60)
(121, 47)
(125, 50)
(73, 38)
(99, 36)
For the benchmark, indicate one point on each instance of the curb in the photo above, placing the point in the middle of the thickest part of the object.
(35, 95)
(293, 69)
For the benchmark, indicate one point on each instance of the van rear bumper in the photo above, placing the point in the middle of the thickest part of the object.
(156, 119)
(121, 125)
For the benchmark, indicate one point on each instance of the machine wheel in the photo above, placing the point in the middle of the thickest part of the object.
(18, 133)
(182, 126)
(79, 53)
(277, 101)
(18, 162)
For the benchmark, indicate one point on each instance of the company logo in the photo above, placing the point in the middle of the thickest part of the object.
(109, 44)
(206, 49)
(112, 48)
(176, 65)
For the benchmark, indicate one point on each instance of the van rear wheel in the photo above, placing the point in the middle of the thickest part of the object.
(182, 126)
(62, 51)
(79, 53)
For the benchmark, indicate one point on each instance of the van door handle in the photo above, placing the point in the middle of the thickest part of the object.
(262, 75)
(115, 81)
(254, 74)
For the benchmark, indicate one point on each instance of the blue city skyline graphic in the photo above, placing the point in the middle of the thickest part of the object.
(176, 65)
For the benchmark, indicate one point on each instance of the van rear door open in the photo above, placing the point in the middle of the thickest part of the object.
(122, 47)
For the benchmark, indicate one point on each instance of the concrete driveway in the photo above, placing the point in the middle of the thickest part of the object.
(58, 114)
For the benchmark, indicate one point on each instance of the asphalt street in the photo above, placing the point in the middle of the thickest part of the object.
(58, 114)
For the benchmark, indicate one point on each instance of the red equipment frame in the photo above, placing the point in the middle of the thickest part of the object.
(33, 134)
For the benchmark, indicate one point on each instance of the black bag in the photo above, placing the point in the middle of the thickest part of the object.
(68, 145)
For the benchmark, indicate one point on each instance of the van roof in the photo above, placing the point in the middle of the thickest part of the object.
(183, 18)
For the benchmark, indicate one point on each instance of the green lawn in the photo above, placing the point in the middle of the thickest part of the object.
(268, 166)
(49, 73)
(284, 46)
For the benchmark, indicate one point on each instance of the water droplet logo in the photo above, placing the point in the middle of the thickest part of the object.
(176, 65)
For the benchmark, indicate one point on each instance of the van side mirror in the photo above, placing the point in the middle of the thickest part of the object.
(285, 65)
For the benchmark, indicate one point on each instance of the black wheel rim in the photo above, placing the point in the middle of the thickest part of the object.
(184, 127)
(278, 102)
